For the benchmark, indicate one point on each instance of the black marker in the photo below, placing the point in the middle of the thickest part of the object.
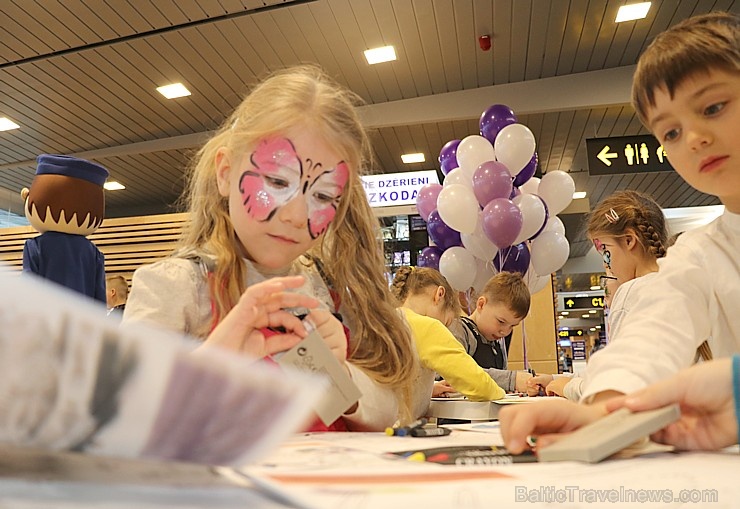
(429, 432)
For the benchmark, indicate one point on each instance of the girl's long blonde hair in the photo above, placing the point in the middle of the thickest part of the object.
(351, 250)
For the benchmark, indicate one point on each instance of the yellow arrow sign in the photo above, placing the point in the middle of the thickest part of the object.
(605, 155)
(570, 303)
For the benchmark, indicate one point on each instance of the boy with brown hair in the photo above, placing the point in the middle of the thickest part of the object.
(686, 90)
(486, 333)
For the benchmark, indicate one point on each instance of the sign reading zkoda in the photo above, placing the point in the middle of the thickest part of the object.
(626, 154)
(389, 189)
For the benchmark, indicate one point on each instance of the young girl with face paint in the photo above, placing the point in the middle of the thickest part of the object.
(628, 229)
(277, 192)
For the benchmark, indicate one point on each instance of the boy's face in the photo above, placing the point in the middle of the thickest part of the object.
(495, 319)
(283, 194)
(698, 129)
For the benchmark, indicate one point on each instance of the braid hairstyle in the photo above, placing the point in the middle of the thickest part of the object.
(631, 210)
(351, 249)
(414, 280)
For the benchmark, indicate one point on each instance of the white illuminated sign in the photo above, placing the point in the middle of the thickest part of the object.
(389, 189)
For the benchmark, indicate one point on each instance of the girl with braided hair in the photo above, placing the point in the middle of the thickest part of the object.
(628, 229)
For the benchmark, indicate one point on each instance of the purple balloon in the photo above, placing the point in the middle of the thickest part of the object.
(527, 171)
(429, 257)
(448, 156)
(441, 234)
(515, 259)
(502, 222)
(490, 181)
(494, 119)
(426, 200)
(544, 223)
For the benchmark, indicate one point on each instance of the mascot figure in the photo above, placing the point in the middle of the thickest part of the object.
(65, 204)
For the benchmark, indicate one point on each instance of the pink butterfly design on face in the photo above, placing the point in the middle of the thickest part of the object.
(605, 254)
(279, 175)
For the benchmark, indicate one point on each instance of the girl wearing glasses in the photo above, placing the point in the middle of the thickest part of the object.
(628, 229)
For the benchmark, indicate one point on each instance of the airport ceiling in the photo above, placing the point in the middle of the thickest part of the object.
(79, 77)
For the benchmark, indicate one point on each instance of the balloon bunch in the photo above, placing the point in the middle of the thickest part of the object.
(491, 214)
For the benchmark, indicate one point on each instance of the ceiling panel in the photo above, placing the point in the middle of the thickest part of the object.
(80, 77)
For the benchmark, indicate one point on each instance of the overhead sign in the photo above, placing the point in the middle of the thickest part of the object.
(391, 189)
(583, 302)
(626, 154)
(567, 333)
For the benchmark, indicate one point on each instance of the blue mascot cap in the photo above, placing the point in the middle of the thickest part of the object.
(49, 164)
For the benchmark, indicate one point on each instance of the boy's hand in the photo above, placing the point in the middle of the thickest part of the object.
(522, 382)
(536, 385)
(332, 331)
(261, 306)
(557, 416)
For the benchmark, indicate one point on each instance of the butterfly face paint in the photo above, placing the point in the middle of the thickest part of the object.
(606, 255)
(278, 175)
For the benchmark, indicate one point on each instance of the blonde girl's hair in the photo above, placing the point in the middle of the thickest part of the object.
(304, 97)
(509, 289)
(414, 280)
(631, 210)
(697, 44)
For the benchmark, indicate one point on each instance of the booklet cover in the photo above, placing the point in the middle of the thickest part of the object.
(72, 378)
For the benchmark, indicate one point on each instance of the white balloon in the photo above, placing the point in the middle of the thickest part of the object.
(539, 283)
(458, 208)
(530, 186)
(556, 188)
(485, 271)
(478, 244)
(533, 215)
(554, 224)
(472, 151)
(457, 176)
(514, 147)
(549, 251)
(457, 265)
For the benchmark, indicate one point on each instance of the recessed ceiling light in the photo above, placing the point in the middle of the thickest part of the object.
(592, 329)
(113, 186)
(413, 158)
(594, 288)
(173, 91)
(592, 311)
(565, 313)
(632, 12)
(6, 124)
(585, 316)
(579, 194)
(379, 55)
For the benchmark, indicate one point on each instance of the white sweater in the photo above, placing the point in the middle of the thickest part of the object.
(694, 297)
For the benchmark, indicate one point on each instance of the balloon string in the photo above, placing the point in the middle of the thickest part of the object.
(524, 345)
(468, 297)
